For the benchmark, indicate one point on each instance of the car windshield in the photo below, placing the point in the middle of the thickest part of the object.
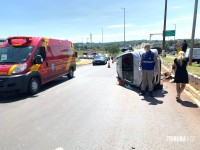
(99, 57)
(12, 54)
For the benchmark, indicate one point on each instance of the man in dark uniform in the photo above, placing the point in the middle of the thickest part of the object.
(148, 61)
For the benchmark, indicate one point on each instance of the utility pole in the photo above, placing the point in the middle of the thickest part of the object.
(82, 44)
(175, 31)
(91, 39)
(102, 36)
(193, 31)
(124, 26)
(87, 42)
(164, 28)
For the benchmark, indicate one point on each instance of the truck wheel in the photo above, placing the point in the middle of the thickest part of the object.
(71, 74)
(34, 86)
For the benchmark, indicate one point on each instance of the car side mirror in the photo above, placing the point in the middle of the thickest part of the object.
(38, 60)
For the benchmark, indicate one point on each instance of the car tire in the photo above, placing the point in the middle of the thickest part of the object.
(34, 86)
(71, 74)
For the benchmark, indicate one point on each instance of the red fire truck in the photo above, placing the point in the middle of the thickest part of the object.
(26, 63)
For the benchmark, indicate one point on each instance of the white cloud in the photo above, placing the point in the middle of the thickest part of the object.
(183, 18)
(176, 7)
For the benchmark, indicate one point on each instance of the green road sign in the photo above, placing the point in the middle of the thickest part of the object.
(170, 33)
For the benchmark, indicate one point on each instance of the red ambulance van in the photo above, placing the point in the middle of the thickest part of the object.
(26, 63)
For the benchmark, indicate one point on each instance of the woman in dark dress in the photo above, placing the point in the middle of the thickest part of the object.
(181, 74)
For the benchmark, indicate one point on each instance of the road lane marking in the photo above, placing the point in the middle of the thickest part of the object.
(59, 148)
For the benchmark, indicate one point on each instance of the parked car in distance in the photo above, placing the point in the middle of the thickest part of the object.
(195, 56)
(2, 41)
(99, 60)
(90, 57)
(85, 56)
(172, 52)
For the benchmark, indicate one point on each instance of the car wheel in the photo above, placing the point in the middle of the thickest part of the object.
(71, 74)
(34, 85)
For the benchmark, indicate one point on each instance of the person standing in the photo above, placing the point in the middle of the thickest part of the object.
(184, 46)
(148, 61)
(181, 74)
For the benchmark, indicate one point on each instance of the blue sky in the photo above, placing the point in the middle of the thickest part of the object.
(75, 20)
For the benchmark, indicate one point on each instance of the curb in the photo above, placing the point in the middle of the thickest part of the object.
(195, 93)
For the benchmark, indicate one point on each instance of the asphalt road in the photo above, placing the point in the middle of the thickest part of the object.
(92, 112)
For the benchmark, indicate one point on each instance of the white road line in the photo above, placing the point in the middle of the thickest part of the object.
(59, 148)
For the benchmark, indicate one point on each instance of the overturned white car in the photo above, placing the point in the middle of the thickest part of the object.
(129, 71)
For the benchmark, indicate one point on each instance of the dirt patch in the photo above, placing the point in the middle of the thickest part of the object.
(84, 62)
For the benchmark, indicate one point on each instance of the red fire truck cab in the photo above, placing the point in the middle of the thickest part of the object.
(26, 63)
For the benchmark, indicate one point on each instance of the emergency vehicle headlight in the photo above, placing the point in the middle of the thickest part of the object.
(20, 68)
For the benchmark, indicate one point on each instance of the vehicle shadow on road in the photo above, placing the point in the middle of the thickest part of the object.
(54, 83)
(188, 104)
(151, 100)
(14, 97)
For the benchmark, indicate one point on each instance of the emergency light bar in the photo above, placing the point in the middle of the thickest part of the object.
(19, 41)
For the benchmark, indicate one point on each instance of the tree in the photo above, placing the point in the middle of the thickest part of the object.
(113, 49)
